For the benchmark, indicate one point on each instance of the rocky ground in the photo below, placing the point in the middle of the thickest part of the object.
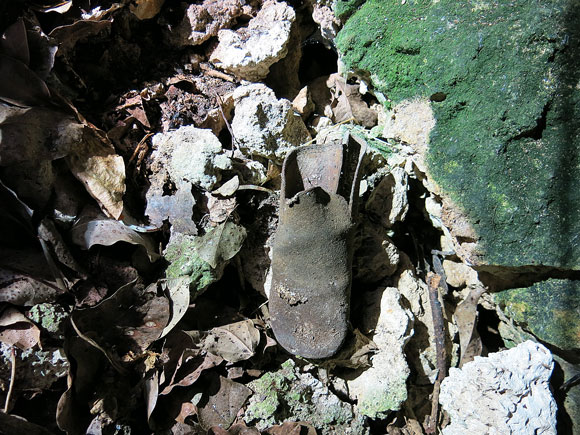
(140, 155)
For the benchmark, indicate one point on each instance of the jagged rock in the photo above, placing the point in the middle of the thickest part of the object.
(505, 147)
(389, 200)
(549, 309)
(324, 16)
(182, 159)
(459, 274)
(506, 392)
(265, 126)
(202, 21)
(249, 52)
(383, 387)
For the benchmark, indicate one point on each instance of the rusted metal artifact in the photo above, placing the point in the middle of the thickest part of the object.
(312, 249)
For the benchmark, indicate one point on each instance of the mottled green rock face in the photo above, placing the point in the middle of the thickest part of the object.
(549, 309)
(504, 78)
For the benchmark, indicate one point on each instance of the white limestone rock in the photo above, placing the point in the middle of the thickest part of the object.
(202, 21)
(265, 126)
(181, 159)
(249, 52)
(505, 393)
(383, 387)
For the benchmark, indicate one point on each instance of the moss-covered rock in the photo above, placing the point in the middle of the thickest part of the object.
(549, 309)
(504, 81)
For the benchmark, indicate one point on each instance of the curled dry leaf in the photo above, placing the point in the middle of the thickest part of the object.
(466, 318)
(25, 278)
(234, 342)
(94, 162)
(178, 292)
(94, 228)
(17, 330)
(292, 428)
(67, 36)
(221, 243)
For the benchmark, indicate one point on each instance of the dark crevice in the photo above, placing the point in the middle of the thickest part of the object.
(537, 131)
(498, 278)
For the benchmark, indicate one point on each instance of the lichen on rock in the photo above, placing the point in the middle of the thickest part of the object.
(287, 394)
(264, 125)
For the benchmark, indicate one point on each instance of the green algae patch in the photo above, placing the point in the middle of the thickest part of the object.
(549, 309)
(504, 82)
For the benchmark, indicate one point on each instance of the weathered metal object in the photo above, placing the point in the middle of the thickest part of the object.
(312, 249)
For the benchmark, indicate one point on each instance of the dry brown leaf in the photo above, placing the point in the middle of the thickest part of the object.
(127, 322)
(94, 228)
(68, 35)
(466, 319)
(94, 162)
(221, 402)
(292, 428)
(17, 330)
(190, 366)
(146, 9)
(235, 342)
(219, 208)
(178, 292)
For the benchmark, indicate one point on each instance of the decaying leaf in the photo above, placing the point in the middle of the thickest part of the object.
(178, 291)
(190, 365)
(221, 402)
(17, 330)
(94, 228)
(466, 318)
(146, 9)
(220, 243)
(292, 428)
(94, 162)
(348, 103)
(235, 342)
(127, 322)
(68, 35)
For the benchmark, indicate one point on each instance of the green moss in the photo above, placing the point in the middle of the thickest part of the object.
(184, 260)
(506, 142)
(549, 309)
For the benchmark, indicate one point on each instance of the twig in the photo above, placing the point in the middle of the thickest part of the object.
(433, 282)
(12, 378)
(229, 127)
(254, 187)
